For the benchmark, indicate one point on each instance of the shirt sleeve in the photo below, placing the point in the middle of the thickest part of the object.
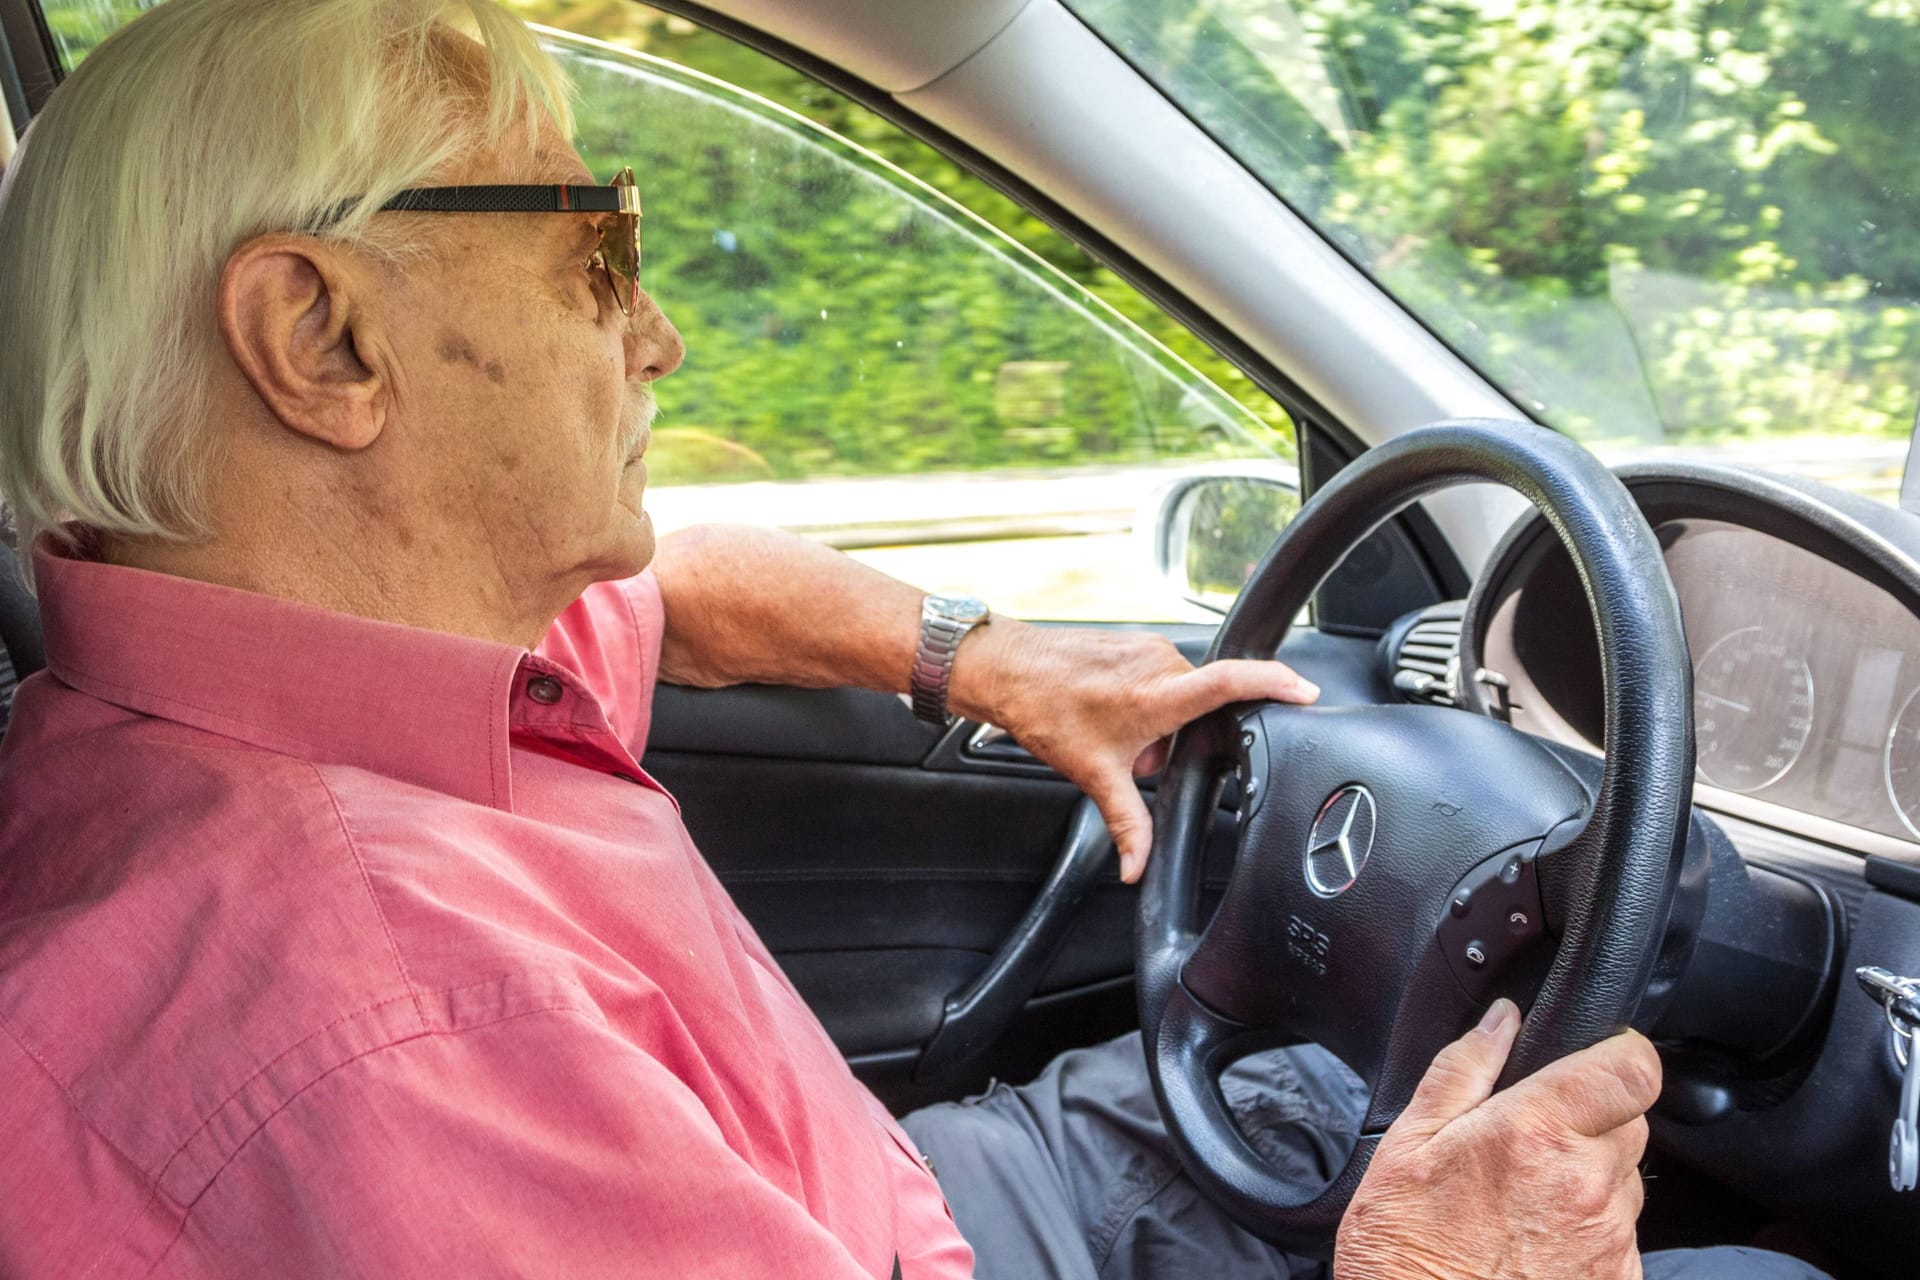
(610, 637)
(539, 1145)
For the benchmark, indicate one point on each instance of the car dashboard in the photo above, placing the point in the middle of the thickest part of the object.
(1806, 663)
(1801, 606)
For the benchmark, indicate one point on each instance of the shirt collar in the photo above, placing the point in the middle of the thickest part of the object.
(423, 707)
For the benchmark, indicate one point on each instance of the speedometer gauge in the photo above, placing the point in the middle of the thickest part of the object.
(1752, 709)
(1903, 763)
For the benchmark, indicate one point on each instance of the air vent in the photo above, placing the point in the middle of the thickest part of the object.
(1426, 653)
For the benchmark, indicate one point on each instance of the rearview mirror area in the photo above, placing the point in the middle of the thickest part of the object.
(1210, 531)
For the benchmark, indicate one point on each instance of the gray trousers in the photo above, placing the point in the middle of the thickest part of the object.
(1072, 1177)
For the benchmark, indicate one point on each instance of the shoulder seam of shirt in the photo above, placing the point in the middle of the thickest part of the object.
(157, 1189)
(366, 883)
(426, 1033)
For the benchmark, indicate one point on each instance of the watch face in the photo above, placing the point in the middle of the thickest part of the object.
(958, 608)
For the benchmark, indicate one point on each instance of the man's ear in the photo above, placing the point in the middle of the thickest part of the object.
(288, 315)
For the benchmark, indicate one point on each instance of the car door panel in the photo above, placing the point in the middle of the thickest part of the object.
(883, 863)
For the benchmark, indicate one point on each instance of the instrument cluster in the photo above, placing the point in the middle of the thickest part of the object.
(1806, 675)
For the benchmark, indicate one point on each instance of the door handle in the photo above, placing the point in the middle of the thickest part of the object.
(976, 1014)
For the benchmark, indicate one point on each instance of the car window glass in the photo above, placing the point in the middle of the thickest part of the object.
(1686, 227)
(870, 363)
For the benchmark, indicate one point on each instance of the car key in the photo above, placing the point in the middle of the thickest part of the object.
(1900, 997)
(1903, 1152)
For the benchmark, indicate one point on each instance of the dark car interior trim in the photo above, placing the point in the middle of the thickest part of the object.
(32, 60)
(1878, 544)
(916, 861)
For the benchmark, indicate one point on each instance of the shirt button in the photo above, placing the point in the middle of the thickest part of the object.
(545, 690)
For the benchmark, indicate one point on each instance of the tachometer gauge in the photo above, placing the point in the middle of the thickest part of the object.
(1752, 709)
(1903, 763)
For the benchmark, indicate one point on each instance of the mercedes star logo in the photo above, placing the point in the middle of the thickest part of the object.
(1340, 841)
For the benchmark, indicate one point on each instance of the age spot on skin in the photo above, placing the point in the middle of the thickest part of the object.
(457, 350)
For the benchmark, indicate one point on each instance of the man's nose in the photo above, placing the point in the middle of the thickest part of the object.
(654, 347)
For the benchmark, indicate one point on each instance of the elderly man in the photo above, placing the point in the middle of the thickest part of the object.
(340, 931)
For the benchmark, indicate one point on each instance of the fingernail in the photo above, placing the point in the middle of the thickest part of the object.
(1308, 690)
(1496, 1016)
(1130, 867)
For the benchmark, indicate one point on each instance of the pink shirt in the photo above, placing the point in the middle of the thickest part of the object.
(335, 948)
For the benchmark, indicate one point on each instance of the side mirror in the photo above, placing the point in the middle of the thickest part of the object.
(1208, 531)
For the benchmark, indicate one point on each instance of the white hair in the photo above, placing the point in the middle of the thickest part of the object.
(197, 127)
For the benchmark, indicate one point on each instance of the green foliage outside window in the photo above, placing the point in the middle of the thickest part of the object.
(1689, 220)
(647, 30)
(842, 321)
(79, 25)
(1694, 220)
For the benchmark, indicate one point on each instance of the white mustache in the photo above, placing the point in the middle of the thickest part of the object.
(639, 425)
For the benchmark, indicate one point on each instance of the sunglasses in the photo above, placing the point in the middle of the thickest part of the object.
(619, 250)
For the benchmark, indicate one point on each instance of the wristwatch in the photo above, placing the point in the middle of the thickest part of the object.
(944, 622)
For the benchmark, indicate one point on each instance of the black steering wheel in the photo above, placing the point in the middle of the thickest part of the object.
(1401, 866)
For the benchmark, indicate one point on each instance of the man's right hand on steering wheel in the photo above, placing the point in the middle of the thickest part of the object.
(1540, 1180)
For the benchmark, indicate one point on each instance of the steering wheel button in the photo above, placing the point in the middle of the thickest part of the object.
(1493, 923)
(1253, 768)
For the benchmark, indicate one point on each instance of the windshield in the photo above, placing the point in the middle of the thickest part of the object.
(1662, 226)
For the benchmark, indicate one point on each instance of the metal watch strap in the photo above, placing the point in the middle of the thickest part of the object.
(940, 637)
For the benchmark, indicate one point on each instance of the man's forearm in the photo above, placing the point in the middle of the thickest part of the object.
(746, 605)
(750, 605)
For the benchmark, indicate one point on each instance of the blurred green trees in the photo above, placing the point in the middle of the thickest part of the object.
(1645, 218)
(841, 319)
(844, 320)
(641, 28)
